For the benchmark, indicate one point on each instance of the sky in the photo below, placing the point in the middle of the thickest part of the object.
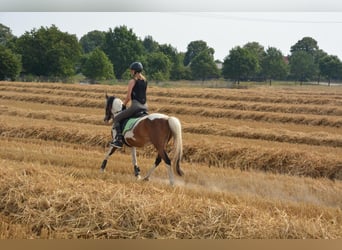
(220, 30)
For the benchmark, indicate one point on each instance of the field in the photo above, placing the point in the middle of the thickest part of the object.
(260, 163)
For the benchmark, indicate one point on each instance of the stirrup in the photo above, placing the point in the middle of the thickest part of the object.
(117, 144)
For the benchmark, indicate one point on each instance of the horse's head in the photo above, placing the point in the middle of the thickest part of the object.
(113, 106)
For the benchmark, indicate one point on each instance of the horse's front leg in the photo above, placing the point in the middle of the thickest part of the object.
(135, 163)
(104, 162)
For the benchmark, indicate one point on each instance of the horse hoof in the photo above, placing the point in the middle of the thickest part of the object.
(102, 170)
(146, 179)
(138, 177)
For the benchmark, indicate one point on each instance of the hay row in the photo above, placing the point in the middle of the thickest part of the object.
(54, 100)
(292, 162)
(54, 92)
(50, 154)
(60, 86)
(95, 91)
(228, 96)
(320, 139)
(54, 133)
(249, 106)
(313, 120)
(256, 95)
(52, 116)
(195, 102)
(312, 91)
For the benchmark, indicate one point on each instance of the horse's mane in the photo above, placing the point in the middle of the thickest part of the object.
(110, 101)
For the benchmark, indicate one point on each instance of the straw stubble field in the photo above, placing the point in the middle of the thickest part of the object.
(263, 162)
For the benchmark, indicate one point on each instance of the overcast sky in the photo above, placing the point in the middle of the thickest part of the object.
(221, 30)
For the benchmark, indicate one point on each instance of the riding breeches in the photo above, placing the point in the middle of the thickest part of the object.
(134, 108)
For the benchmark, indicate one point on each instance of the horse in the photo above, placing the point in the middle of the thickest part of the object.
(156, 129)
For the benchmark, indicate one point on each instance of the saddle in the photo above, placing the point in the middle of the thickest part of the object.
(129, 123)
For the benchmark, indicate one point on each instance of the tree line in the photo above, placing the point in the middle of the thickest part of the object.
(50, 54)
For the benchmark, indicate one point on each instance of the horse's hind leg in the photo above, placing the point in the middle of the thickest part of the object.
(155, 165)
(104, 162)
(168, 166)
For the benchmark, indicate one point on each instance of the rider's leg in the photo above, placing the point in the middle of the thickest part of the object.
(118, 138)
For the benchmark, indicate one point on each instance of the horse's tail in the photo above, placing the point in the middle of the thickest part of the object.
(176, 129)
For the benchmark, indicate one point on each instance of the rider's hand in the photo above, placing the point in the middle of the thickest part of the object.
(123, 107)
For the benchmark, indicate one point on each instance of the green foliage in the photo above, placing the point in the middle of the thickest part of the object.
(49, 52)
(303, 66)
(306, 44)
(126, 75)
(122, 47)
(169, 51)
(331, 67)
(203, 66)
(239, 64)
(158, 66)
(199, 58)
(10, 64)
(97, 66)
(306, 68)
(194, 49)
(5, 35)
(150, 45)
(92, 40)
(257, 50)
(177, 70)
(274, 65)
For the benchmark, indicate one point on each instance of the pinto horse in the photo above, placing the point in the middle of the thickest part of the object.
(156, 129)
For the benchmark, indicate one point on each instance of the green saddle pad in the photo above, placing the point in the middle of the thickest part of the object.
(130, 124)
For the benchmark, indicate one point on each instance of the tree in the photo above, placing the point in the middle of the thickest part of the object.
(10, 64)
(5, 35)
(320, 54)
(150, 45)
(203, 66)
(330, 67)
(239, 64)
(258, 51)
(92, 40)
(194, 49)
(97, 66)
(201, 49)
(122, 47)
(158, 66)
(307, 44)
(177, 70)
(274, 65)
(303, 66)
(49, 52)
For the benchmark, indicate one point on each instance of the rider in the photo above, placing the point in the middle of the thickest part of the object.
(137, 94)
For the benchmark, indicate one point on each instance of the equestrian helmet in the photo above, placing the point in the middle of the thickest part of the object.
(136, 66)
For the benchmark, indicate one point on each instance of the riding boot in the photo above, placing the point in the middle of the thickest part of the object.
(118, 138)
